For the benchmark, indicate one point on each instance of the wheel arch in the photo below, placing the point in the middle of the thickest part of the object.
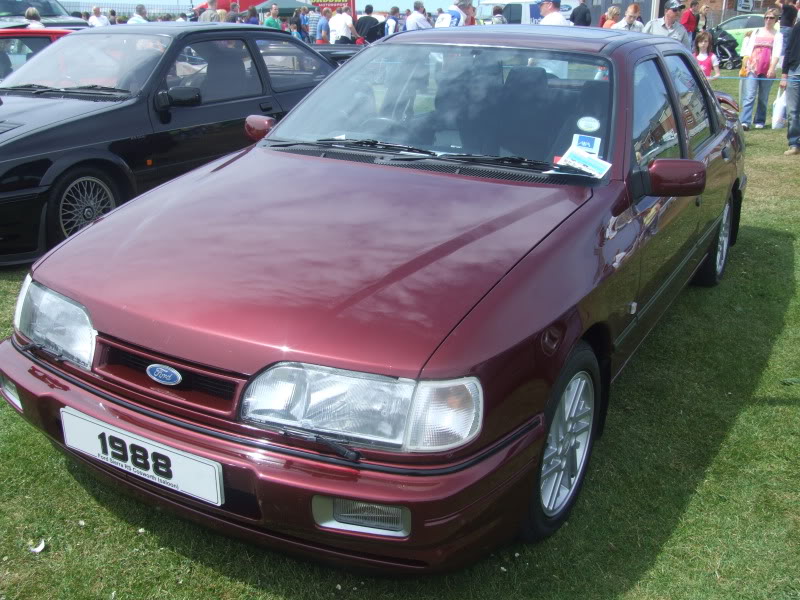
(112, 164)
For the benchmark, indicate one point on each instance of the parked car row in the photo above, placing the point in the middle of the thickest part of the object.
(385, 335)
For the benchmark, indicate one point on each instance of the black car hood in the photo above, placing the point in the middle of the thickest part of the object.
(21, 115)
(63, 21)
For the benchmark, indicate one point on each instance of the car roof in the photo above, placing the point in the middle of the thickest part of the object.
(176, 28)
(585, 39)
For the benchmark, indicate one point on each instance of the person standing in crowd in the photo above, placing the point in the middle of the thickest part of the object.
(703, 19)
(581, 15)
(551, 13)
(139, 16)
(33, 18)
(210, 15)
(668, 25)
(272, 20)
(763, 49)
(181, 18)
(98, 19)
(297, 21)
(705, 56)
(788, 18)
(366, 22)
(417, 20)
(689, 19)
(112, 17)
(342, 30)
(457, 15)
(252, 16)
(497, 16)
(790, 81)
(630, 22)
(313, 23)
(612, 16)
(324, 28)
(392, 22)
(304, 18)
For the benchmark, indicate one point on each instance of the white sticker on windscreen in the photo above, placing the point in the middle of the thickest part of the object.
(587, 143)
(588, 124)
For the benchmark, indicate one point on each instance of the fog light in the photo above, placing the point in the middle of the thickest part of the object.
(10, 391)
(364, 517)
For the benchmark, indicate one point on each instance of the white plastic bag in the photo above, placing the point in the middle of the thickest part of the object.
(779, 110)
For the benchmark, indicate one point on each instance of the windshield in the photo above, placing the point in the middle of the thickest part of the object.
(122, 61)
(447, 99)
(17, 8)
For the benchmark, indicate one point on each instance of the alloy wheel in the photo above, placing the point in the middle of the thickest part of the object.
(82, 202)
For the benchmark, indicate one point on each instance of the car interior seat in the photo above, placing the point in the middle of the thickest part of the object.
(226, 77)
(524, 125)
(593, 102)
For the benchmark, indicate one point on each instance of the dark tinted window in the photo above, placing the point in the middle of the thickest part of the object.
(290, 67)
(692, 102)
(15, 52)
(222, 69)
(654, 132)
(513, 13)
(736, 23)
(755, 21)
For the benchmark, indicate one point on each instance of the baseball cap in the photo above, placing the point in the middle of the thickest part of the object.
(673, 4)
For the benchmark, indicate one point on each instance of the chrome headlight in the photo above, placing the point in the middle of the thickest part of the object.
(58, 324)
(399, 414)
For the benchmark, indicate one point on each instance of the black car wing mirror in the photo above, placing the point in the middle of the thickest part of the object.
(177, 96)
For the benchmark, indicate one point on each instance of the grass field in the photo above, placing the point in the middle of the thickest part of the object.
(694, 491)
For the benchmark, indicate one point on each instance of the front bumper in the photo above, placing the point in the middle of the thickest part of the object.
(455, 517)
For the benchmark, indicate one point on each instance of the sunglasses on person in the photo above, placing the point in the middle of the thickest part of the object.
(766, 18)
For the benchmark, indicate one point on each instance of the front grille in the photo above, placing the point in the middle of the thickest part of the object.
(201, 388)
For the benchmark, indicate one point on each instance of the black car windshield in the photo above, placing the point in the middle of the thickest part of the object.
(450, 99)
(17, 8)
(114, 60)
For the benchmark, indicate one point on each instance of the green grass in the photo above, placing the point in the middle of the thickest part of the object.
(694, 491)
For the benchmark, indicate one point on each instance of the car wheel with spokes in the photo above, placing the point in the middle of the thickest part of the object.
(712, 270)
(79, 197)
(571, 416)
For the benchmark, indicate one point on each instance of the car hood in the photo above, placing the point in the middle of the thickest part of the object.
(267, 256)
(20, 115)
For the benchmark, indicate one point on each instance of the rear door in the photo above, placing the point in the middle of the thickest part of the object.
(231, 87)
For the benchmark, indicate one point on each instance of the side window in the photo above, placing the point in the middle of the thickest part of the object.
(692, 102)
(736, 23)
(290, 67)
(513, 13)
(15, 52)
(221, 69)
(754, 21)
(655, 134)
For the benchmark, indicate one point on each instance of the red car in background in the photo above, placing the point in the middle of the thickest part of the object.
(18, 44)
(385, 335)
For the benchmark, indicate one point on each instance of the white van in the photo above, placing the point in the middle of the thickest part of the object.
(527, 12)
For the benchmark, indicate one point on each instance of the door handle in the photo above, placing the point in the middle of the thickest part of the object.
(265, 106)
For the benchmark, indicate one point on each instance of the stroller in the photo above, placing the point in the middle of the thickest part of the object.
(725, 47)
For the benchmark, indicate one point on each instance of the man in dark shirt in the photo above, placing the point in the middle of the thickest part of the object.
(790, 80)
(366, 23)
(581, 15)
(788, 17)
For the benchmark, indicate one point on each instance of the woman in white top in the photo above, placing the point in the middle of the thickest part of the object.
(761, 52)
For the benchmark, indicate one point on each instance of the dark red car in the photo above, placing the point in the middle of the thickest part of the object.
(385, 335)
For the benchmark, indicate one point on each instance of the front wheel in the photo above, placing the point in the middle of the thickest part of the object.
(78, 198)
(571, 416)
(711, 271)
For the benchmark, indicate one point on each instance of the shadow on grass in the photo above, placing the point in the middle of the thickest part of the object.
(671, 410)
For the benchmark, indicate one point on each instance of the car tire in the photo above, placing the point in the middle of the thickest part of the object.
(77, 198)
(713, 268)
(571, 418)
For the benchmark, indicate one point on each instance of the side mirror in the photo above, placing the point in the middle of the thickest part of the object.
(727, 101)
(178, 96)
(677, 177)
(258, 126)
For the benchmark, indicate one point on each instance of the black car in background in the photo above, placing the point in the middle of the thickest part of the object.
(114, 111)
(12, 12)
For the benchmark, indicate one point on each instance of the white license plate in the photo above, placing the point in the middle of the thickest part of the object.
(174, 469)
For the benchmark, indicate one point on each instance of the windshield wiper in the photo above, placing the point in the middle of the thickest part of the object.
(516, 161)
(32, 87)
(96, 88)
(378, 145)
(338, 448)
